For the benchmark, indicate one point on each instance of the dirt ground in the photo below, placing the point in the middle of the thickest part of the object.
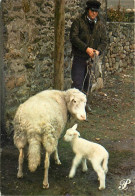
(111, 123)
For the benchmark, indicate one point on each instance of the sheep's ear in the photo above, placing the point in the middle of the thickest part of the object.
(75, 126)
(71, 98)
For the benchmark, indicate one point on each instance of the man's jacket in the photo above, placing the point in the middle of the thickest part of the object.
(82, 36)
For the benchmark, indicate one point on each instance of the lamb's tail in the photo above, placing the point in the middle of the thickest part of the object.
(105, 163)
(34, 155)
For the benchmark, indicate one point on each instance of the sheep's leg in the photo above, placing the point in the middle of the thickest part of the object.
(20, 164)
(105, 165)
(56, 157)
(75, 163)
(100, 172)
(84, 165)
(46, 167)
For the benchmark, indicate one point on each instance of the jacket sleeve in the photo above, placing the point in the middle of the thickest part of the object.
(103, 39)
(74, 37)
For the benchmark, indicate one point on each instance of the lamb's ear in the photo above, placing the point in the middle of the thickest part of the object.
(76, 134)
(75, 126)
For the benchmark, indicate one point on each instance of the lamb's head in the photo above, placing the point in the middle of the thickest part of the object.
(71, 134)
(76, 103)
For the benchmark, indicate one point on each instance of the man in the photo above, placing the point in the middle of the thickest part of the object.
(87, 36)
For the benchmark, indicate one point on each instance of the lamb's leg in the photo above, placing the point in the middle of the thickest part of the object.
(77, 159)
(100, 172)
(84, 165)
(46, 167)
(56, 157)
(20, 163)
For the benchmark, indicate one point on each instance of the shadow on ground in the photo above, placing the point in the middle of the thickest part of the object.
(111, 123)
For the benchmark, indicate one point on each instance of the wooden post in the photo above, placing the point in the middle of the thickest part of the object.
(59, 44)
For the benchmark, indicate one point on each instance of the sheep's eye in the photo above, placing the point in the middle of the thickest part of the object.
(74, 101)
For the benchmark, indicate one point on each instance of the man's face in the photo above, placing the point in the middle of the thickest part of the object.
(92, 14)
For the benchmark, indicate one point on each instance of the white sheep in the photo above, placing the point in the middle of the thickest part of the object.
(41, 120)
(85, 149)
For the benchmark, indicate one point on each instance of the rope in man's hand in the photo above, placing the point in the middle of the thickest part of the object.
(93, 71)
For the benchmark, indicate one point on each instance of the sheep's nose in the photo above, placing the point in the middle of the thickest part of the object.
(83, 117)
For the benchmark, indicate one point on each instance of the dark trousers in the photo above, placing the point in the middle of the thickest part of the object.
(78, 73)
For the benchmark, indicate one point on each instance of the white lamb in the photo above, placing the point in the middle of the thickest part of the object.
(85, 149)
(41, 120)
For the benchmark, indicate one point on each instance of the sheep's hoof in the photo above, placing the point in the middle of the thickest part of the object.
(45, 186)
(58, 162)
(19, 175)
(70, 176)
(85, 169)
(101, 188)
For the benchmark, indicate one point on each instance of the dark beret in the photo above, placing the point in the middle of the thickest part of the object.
(93, 5)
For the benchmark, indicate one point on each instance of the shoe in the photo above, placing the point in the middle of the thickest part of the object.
(88, 109)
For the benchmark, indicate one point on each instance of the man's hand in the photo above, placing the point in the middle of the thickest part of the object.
(97, 52)
(90, 52)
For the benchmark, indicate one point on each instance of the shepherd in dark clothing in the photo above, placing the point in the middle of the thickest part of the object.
(88, 36)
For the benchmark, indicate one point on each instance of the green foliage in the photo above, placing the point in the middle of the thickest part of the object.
(119, 15)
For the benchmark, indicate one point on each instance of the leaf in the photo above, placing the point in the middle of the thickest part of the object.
(97, 139)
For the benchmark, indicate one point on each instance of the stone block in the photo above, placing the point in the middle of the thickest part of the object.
(10, 84)
(21, 80)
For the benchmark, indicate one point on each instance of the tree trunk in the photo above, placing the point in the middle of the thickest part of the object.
(2, 89)
(59, 44)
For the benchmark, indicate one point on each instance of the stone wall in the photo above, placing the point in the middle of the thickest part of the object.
(120, 51)
(29, 48)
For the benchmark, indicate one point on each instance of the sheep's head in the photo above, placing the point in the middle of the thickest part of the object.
(76, 103)
(71, 134)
